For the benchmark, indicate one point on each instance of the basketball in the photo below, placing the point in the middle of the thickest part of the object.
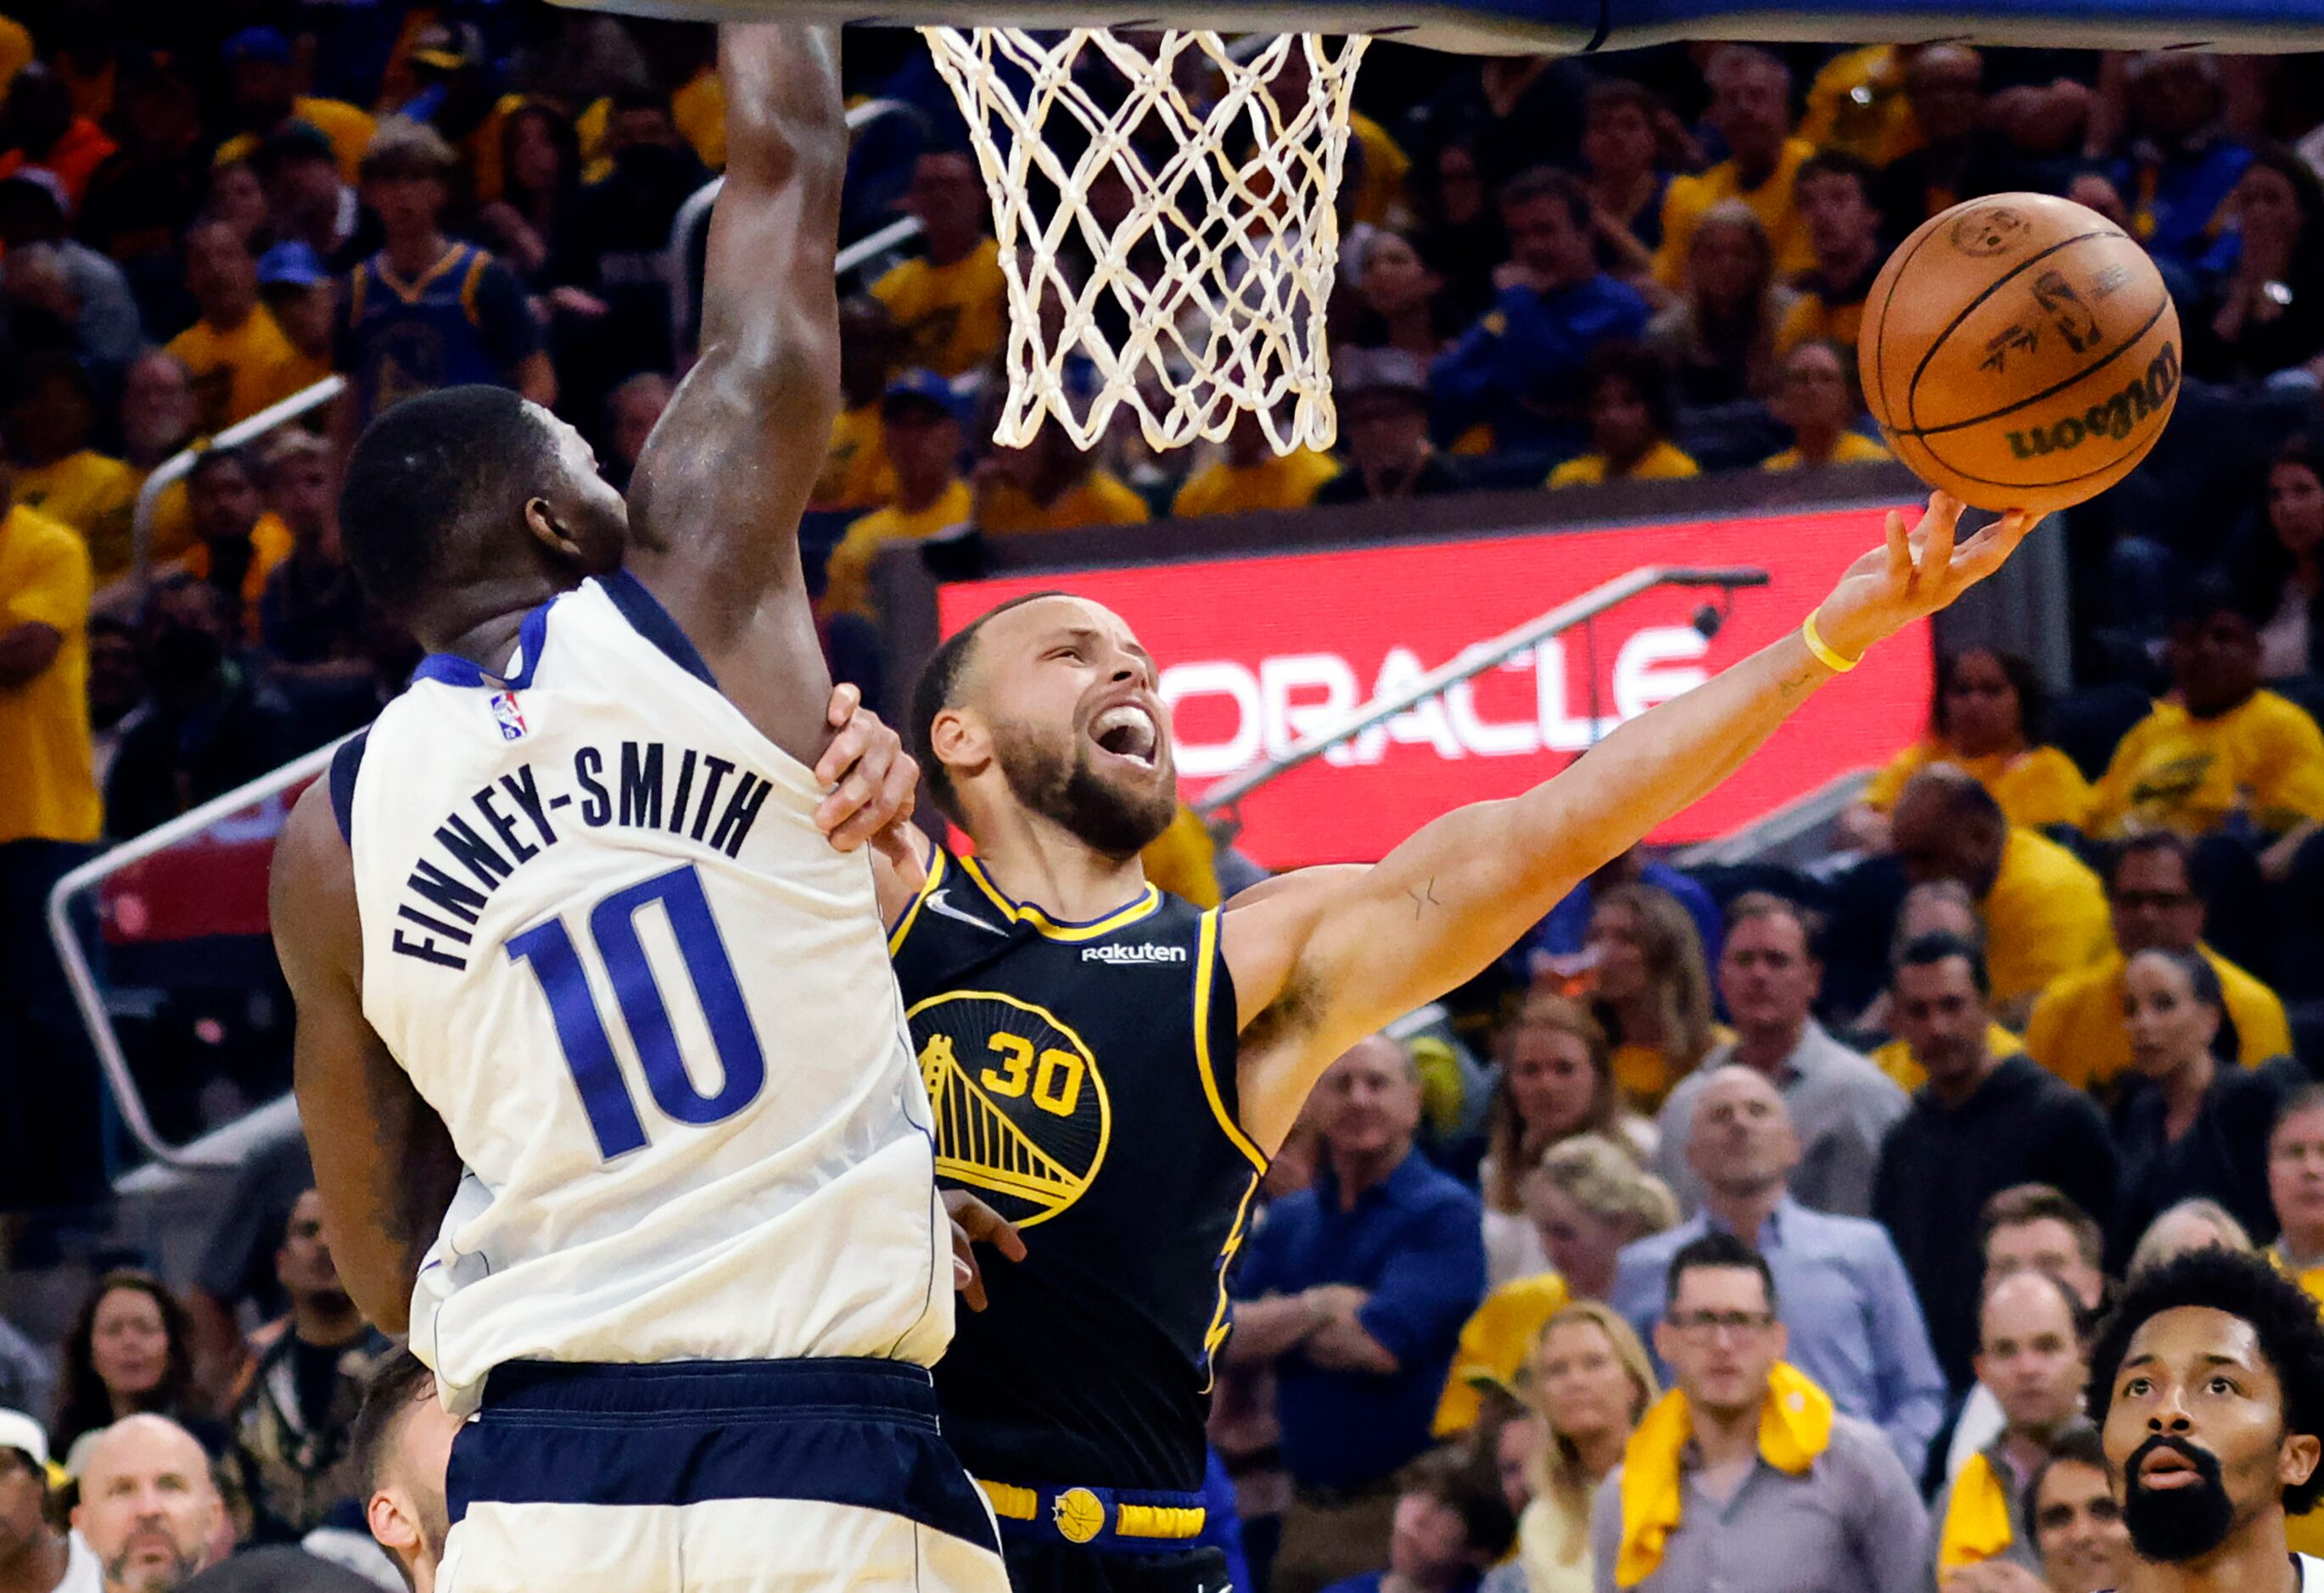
(2020, 352)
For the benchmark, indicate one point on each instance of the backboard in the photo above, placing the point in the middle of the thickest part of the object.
(1494, 27)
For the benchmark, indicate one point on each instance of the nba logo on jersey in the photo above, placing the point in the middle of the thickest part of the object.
(504, 710)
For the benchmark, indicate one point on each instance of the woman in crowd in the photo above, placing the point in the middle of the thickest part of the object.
(1719, 337)
(2266, 314)
(1592, 1381)
(1399, 299)
(1590, 1198)
(1556, 1082)
(541, 166)
(129, 1350)
(1627, 175)
(1652, 992)
(1985, 719)
(2189, 1123)
(1459, 229)
(2280, 571)
(1627, 398)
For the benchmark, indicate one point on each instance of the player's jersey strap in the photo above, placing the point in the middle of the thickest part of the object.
(1082, 1077)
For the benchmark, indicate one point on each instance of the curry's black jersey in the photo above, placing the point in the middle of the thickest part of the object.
(1083, 1077)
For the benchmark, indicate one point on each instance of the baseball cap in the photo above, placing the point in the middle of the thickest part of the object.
(259, 44)
(20, 1432)
(922, 384)
(292, 265)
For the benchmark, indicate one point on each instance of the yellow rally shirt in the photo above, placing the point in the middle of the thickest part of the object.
(2036, 787)
(848, 589)
(239, 373)
(2046, 915)
(94, 494)
(1665, 461)
(1495, 1343)
(348, 127)
(1689, 196)
(50, 790)
(1100, 499)
(2176, 772)
(270, 545)
(1288, 481)
(856, 473)
(2078, 1031)
(953, 316)
(1853, 448)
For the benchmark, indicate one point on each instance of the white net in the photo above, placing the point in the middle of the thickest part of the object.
(1165, 206)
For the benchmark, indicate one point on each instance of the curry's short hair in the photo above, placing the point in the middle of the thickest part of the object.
(939, 689)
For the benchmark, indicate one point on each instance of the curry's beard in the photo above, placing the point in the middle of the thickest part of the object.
(2173, 1526)
(1111, 821)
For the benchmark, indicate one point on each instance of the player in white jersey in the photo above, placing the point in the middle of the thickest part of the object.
(2208, 1386)
(585, 993)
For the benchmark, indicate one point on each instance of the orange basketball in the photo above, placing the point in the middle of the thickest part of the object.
(2020, 352)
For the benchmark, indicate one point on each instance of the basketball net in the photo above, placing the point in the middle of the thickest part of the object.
(1165, 212)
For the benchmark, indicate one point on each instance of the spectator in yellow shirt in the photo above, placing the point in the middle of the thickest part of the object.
(1986, 702)
(1629, 404)
(2077, 1030)
(1253, 476)
(48, 815)
(1838, 207)
(1816, 397)
(951, 304)
(263, 81)
(1051, 486)
(2224, 747)
(239, 359)
(922, 430)
(50, 792)
(238, 540)
(64, 478)
(1751, 108)
(2045, 913)
(1859, 102)
(855, 472)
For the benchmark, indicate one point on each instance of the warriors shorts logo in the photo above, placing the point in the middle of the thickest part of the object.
(1021, 1114)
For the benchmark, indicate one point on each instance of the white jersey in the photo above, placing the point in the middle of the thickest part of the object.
(653, 1006)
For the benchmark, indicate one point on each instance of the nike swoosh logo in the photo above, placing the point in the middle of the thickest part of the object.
(945, 909)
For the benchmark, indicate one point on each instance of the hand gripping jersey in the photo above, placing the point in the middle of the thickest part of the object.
(1082, 1078)
(603, 934)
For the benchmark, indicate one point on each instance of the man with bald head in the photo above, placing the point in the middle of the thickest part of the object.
(149, 1508)
(2045, 911)
(2032, 1353)
(1840, 1288)
(1961, 156)
(1116, 1066)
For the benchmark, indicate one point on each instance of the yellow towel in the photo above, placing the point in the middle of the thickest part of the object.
(1976, 1521)
(1794, 1427)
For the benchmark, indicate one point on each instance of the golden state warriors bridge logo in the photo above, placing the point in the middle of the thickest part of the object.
(1021, 1115)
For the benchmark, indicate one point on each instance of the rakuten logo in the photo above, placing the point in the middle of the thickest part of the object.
(1296, 694)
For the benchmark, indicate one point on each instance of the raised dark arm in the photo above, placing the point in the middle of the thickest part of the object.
(715, 500)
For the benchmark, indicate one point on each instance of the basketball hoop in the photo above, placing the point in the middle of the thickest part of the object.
(1165, 206)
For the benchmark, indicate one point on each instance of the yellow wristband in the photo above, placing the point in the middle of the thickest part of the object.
(1822, 648)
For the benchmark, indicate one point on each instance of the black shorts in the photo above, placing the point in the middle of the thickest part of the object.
(1063, 1568)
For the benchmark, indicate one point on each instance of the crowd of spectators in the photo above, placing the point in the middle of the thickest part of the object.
(1775, 1218)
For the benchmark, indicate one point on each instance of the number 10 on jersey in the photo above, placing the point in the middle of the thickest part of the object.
(548, 951)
